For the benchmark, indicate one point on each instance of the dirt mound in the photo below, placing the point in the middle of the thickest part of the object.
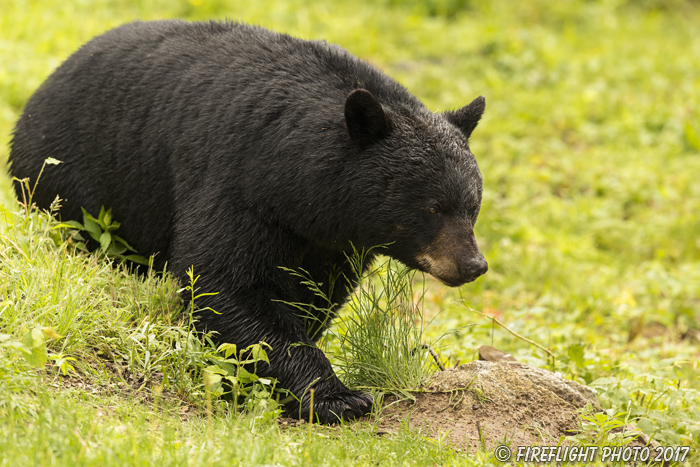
(493, 403)
(487, 403)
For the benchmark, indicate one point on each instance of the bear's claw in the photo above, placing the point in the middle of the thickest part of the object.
(333, 408)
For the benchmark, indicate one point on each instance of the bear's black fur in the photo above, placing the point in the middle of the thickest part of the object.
(238, 150)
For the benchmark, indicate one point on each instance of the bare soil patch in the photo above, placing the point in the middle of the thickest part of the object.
(489, 404)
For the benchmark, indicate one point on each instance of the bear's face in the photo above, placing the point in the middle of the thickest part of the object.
(433, 190)
(433, 206)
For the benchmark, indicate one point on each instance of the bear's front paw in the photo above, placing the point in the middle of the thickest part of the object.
(346, 405)
(337, 406)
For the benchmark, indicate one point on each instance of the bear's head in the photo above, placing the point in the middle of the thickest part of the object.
(431, 181)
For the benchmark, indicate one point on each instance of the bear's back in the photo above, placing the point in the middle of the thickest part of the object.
(151, 115)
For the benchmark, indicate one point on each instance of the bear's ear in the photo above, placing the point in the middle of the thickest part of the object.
(365, 118)
(468, 116)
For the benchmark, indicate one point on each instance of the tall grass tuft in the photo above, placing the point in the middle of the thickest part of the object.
(382, 334)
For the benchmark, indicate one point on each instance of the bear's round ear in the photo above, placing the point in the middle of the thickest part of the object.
(365, 118)
(468, 116)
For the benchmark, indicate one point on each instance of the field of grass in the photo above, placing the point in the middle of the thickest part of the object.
(590, 151)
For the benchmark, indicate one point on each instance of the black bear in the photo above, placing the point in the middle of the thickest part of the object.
(239, 151)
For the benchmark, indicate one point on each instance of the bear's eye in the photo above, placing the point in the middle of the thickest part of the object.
(434, 209)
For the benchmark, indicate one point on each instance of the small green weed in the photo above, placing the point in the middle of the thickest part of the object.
(102, 229)
(257, 393)
(603, 428)
(32, 346)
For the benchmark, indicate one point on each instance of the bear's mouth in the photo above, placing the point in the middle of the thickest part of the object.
(426, 263)
(450, 282)
(447, 272)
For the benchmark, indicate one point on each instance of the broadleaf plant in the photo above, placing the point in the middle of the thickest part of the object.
(101, 229)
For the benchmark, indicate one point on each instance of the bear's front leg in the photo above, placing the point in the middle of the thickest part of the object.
(332, 401)
(250, 317)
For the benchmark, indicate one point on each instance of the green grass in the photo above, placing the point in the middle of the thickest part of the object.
(590, 150)
(381, 340)
(73, 429)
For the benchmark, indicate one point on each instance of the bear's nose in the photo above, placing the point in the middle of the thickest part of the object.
(474, 268)
(481, 266)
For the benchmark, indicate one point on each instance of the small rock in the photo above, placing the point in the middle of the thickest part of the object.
(492, 354)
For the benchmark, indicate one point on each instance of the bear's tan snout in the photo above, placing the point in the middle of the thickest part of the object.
(454, 257)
